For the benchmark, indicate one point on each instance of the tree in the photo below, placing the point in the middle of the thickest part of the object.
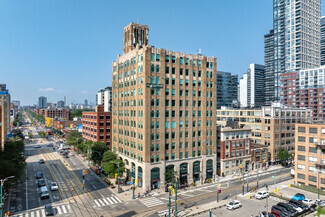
(77, 113)
(30, 135)
(170, 175)
(74, 138)
(97, 151)
(42, 134)
(283, 154)
(110, 164)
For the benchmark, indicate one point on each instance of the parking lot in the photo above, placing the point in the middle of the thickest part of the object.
(253, 206)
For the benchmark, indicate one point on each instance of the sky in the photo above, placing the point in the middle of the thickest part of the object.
(58, 48)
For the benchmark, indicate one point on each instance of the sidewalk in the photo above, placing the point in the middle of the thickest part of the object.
(127, 192)
(205, 208)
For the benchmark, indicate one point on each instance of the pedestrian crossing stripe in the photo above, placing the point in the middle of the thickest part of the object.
(62, 209)
(162, 213)
(107, 201)
(151, 202)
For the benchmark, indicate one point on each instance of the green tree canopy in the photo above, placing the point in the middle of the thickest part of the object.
(110, 164)
(74, 138)
(42, 134)
(170, 175)
(283, 154)
(77, 113)
(97, 151)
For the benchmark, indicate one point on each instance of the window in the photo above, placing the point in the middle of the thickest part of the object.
(301, 139)
(167, 58)
(312, 150)
(301, 176)
(173, 59)
(167, 124)
(312, 178)
(301, 129)
(301, 148)
(301, 157)
(313, 130)
(187, 61)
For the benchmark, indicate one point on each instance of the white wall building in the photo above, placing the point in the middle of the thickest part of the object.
(104, 97)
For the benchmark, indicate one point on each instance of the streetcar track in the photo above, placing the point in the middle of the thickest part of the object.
(69, 178)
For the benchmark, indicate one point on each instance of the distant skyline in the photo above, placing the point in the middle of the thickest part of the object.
(66, 48)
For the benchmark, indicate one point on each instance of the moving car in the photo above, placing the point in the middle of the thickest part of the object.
(50, 145)
(49, 210)
(262, 195)
(298, 197)
(233, 205)
(308, 201)
(37, 146)
(54, 187)
(41, 183)
(39, 175)
(41, 161)
(44, 192)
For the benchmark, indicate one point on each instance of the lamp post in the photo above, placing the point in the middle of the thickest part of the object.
(169, 196)
(133, 175)
(176, 197)
(2, 182)
(118, 177)
(258, 165)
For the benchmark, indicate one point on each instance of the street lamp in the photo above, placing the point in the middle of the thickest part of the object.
(118, 177)
(2, 182)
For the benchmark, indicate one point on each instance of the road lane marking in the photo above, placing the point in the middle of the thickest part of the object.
(109, 201)
(64, 210)
(59, 210)
(105, 201)
(118, 199)
(114, 200)
(97, 203)
(101, 202)
(43, 212)
(37, 213)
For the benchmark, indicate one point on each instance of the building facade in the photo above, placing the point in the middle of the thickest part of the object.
(310, 155)
(269, 67)
(42, 102)
(104, 97)
(252, 87)
(322, 41)
(227, 89)
(289, 89)
(164, 105)
(58, 114)
(96, 126)
(296, 39)
(234, 153)
(273, 126)
(5, 114)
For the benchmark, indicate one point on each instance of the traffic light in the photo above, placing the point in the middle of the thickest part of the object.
(173, 191)
(86, 171)
(115, 175)
(131, 179)
(136, 181)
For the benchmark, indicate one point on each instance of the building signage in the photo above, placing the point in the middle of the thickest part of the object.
(155, 85)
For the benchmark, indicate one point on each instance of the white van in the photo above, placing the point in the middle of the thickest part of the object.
(44, 192)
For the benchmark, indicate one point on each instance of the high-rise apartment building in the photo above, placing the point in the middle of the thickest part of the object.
(164, 111)
(42, 102)
(252, 87)
(273, 126)
(4, 114)
(227, 89)
(269, 67)
(16, 103)
(296, 26)
(322, 41)
(60, 104)
(104, 98)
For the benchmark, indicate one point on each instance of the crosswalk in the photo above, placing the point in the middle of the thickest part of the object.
(162, 213)
(150, 202)
(58, 210)
(107, 201)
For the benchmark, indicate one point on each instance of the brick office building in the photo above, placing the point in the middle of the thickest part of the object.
(310, 154)
(96, 126)
(164, 106)
(234, 152)
(60, 114)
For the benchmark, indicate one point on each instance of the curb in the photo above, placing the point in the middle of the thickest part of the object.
(207, 210)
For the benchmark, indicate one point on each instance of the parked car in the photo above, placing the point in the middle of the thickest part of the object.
(288, 208)
(37, 146)
(49, 211)
(300, 204)
(41, 161)
(262, 195)
(309, 201)
(265, 214)
(294, 206)
(298, 197)
(39, 175)
(41, 183)
(54, 187)
(235, 204)
(277, 214)
(281, 210)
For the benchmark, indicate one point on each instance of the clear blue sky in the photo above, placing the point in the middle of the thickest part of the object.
(60, 48)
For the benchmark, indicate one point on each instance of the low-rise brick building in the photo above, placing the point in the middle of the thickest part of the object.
(234, 149)
(96, 126)
(59, 114)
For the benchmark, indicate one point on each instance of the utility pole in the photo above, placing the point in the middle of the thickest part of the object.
(258, 165)
(2, 182)
(176, 198)
(242, 170)
(247, 178)
(218, 189)
(118, 177)
(169, 202)
(318, 183)
(267, 206)
(133, 182)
